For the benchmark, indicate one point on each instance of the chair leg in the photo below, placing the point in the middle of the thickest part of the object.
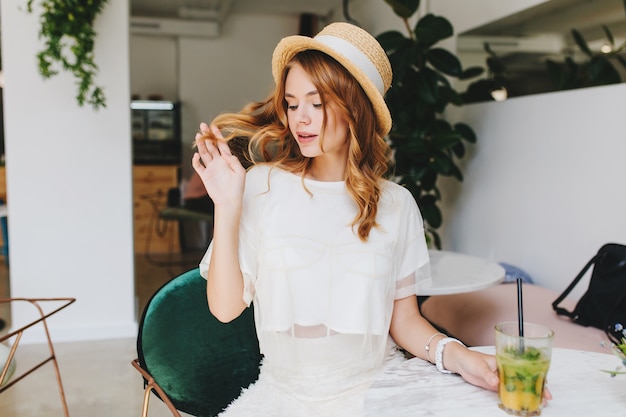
(56, 364)
(146, 401)
(17, 335)
(151, 385)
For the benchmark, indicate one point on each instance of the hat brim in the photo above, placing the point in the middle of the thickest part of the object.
(288, 47)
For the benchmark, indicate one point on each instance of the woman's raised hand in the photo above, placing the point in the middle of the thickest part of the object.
(221, 172)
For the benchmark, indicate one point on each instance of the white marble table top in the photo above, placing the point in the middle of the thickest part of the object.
(454, 273)
(575, 379)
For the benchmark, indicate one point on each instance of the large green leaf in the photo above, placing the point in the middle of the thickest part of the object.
(431, 29)
(446, 140)
(427, 85)
(400, 52)
(609, 35)
(581, 42)
(449, 95)
(430, 211)
(466, 132)
(442, 79)
(433, 238)
(440, 162)
(444, 61)
(423, 175)
(455, 172)
(404, 8)
(440, 126)
(479, 90)
(495, 65)
(471, 72)
(459, 150)
(391, 40)
(428, 179)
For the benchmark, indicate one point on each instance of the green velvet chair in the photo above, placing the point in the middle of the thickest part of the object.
(190, 360)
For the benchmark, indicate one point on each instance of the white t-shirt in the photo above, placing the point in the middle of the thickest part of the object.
(323, 298)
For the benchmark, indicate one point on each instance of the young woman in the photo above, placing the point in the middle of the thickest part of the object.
(326, 250)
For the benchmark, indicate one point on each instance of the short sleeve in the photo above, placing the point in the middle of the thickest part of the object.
(248, 234)
(411, 250)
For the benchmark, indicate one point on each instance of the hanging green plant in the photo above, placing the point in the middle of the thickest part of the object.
(67, 29)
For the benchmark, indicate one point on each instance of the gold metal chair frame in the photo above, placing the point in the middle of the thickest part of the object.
(151, 385)
(17, 335)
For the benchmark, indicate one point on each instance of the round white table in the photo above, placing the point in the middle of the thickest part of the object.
(454, 273)
(578, 386)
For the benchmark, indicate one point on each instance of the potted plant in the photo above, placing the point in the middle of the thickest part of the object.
(425, 145)
(69, 37)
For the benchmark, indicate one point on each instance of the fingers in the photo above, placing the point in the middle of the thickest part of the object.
(547, 396)
(208, 150)
(205, 130)
(223, 148)
(214, 148)
(491, 379)
(204, 151)
(196, 164)
(235, 164)
(481, 371)
(216, 132)
(489, 373)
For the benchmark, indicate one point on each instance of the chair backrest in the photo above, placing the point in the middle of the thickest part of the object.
(201, 363)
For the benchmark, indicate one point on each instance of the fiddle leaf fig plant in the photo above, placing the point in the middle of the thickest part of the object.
(425, 145)
(69, 36)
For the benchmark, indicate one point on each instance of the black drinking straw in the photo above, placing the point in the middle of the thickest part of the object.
(520, 314)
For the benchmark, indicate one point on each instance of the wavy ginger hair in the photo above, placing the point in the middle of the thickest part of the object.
(264, 126)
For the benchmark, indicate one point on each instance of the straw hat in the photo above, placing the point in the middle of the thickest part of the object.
(355, 49)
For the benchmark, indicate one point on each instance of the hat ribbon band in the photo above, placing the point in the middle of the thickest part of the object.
(357, 57)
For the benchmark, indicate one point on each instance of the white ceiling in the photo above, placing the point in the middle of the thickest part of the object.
(170, 8)
(559, 17)
(553, 17)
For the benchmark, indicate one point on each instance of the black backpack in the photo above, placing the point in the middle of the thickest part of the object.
(604, 304)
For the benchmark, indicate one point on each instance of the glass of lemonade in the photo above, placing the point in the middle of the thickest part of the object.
(523, 364)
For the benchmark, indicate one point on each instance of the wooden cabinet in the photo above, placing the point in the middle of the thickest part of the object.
(150, 186)
(3, 184)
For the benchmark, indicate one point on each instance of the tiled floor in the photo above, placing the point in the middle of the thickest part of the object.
(98, 378)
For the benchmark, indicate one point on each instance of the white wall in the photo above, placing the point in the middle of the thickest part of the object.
(545, 187)
(154, 66)
(377, 16)
(69, 182)
(226, 73)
